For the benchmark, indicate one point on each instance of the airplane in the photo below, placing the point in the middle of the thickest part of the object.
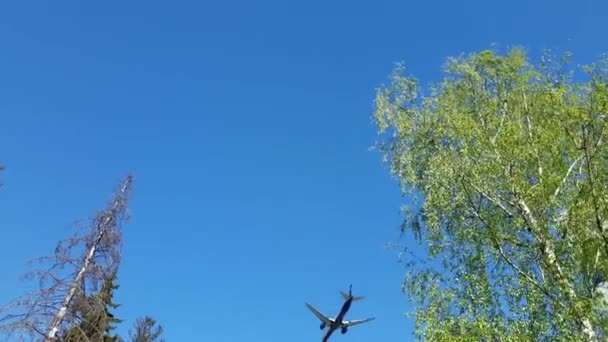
(339, 322)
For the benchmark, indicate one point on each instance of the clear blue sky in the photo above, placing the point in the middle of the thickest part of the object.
(247, 125)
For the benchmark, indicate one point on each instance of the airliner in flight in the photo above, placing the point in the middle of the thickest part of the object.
(339, 322)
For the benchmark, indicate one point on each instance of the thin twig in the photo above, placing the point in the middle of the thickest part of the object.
(489, 198)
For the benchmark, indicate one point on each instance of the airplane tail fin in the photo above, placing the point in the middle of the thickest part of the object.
(346, 296)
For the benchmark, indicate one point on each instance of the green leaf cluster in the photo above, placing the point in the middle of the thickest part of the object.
(511, 160)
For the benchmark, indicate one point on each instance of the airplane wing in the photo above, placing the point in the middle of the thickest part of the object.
(327, 320)
(357, 321)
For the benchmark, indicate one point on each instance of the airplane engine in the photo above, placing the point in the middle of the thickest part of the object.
(322, 326)
(344, 330)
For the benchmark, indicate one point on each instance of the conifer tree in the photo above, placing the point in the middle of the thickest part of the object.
(95, 316)
(145, 331)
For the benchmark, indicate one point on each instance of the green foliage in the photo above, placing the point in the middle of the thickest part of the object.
(146, 330)
(511, 161)
(96, 320)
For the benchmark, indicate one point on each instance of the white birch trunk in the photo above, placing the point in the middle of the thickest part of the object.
(549, 252)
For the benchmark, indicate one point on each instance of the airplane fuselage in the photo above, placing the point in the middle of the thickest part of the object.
(339, 318)
(343, 311)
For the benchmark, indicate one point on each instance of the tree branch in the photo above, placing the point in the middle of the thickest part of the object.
(496, 243)
(556, 193)
(489, 198)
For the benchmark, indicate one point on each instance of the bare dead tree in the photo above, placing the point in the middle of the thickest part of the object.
(79, 265)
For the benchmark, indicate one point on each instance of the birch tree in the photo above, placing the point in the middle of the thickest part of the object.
(508, 162)
(80, 266)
